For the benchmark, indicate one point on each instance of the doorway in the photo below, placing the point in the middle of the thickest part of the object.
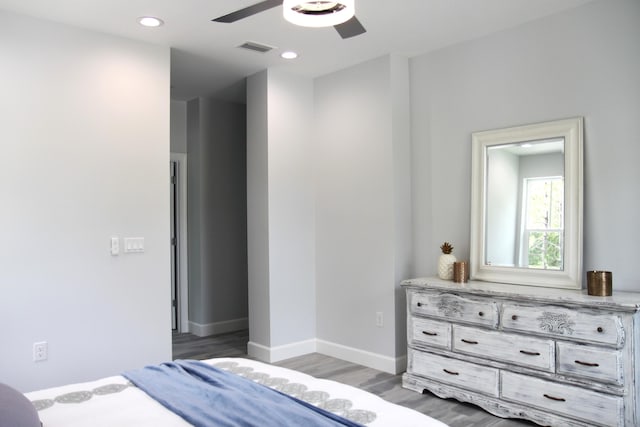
(178, 243)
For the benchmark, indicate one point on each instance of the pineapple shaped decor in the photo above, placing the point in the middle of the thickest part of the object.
(445, 262)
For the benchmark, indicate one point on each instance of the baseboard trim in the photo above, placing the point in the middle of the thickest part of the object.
(387, 364)
(259, 351)
(216, 328)
(282, 352)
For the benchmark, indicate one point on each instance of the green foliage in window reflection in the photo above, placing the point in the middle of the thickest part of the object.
(545, 250)
(545, 222)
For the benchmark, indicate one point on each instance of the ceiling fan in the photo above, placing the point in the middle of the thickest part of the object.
(306, 13)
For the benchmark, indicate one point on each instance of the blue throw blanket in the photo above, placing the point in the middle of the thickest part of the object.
(206, 396)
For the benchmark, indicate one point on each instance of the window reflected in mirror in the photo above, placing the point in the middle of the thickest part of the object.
(543, 233)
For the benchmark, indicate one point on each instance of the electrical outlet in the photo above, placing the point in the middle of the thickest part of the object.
(40, 351)
(379, 319)
(115, 246)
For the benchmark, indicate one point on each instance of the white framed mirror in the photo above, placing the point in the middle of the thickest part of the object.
(526, 204)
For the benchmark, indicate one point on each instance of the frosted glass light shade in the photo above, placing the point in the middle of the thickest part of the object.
(318, 13)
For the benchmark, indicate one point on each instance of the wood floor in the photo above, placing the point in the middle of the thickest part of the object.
(387, 386)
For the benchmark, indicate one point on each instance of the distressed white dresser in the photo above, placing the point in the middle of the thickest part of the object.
(555, 357)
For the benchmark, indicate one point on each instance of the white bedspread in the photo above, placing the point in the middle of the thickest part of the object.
(113, 401)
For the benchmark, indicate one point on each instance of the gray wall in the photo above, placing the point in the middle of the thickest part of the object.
(178, 127)
(85, 134)
(217, 214)
(291, 208)
(584, 62)
(258, 209)
(281, 215)
(329, 212)
(363, 237)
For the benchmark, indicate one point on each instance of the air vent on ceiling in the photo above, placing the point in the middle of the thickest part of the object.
(257, 47)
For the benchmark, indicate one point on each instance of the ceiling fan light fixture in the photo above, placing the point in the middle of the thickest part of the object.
(318, 13)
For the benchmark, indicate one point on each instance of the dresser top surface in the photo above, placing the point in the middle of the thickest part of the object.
(626, 301)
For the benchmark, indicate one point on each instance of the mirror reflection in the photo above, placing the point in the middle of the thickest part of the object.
(525, 205)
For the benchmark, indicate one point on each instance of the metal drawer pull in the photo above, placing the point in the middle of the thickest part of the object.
(450, 372)
(600, 329)
(431, 334)
(530, 353)
(586, 363)
(481, 314)
(514, 317)
(468, 341)
(419, 304)
(557, 399)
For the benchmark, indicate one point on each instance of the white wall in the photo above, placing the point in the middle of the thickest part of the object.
(583, 62)
(280, 215)
(362, 206)
(85, 137)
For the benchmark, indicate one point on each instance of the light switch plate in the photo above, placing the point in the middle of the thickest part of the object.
(133, 244)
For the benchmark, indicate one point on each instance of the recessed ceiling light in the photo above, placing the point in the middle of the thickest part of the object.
(150, 21)
(289, 55)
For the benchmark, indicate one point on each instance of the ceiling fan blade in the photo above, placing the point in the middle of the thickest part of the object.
(248, 11)
(350, 28)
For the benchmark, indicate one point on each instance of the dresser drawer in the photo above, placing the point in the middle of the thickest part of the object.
(456, 372)
(520, 350)
(605, 328)
(594, 363)
(430, 332)
(454, 307)
(562, 399)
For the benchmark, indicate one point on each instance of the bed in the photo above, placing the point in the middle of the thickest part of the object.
(116, 401)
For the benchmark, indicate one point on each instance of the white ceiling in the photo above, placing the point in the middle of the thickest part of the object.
(205, 59)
